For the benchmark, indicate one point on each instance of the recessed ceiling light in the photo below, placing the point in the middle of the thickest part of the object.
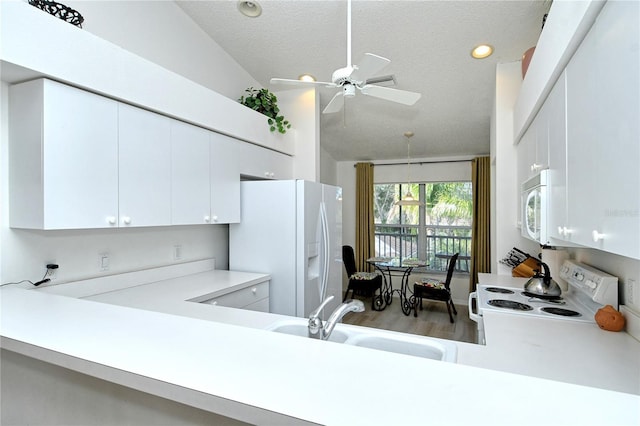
(252, 9)
(482, 51)
(306, 77)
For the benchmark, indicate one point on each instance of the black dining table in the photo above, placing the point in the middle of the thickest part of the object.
(390, 267)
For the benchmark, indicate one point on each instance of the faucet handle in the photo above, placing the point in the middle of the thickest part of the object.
(316, 313)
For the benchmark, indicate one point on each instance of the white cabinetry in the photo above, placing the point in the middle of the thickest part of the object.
(254, 298)
(144, 141)
(264, 163)
(603, 133)
(558, 206)
(63, 146)
(225, 179)
(533, 148)
(190, 180)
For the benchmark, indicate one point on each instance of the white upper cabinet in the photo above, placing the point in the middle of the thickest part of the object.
(80, 160)
(190, 180)
(603, 134)
(558, 206)
(63, 163)
(225, 179)
(262, 163)
(144, 167)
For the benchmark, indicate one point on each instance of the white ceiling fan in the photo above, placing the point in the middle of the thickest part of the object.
(353, 77)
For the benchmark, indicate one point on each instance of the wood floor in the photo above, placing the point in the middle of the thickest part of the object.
(432, 321)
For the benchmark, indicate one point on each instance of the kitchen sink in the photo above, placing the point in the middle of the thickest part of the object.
(298, 329)
(423, 347)
(371, 338)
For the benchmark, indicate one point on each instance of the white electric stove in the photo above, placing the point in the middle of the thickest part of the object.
(589, 290)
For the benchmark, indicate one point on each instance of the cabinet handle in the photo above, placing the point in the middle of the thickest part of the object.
(111, 220)
(563, 230)
(535, 167)
(126, 220)
(207, 219)
(597, 236)
(215, 302)
(254, 290)
(272, 174)
(266, 174)
(215, 218)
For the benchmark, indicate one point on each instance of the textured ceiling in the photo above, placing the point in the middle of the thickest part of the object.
(428, 43)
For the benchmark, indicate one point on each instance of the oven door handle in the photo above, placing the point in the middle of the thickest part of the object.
(473, 316)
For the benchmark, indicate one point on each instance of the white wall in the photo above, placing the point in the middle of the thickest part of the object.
(301, 107)
(346, 175)
(505, 194)
(161, 32)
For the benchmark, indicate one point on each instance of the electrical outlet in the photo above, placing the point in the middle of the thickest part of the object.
(52, 272)
(628, 291)
(177, 252)
(103, 262)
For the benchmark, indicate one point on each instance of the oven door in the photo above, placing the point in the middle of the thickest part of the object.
(534, 207)
(476, 317)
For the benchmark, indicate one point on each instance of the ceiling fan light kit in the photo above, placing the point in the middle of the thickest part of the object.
(353, 77)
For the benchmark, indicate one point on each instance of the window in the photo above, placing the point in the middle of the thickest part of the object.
(433, 231)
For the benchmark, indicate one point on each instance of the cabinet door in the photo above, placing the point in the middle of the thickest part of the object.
(603, 133)
(190, 191)
(526, 152)
(556, 118)
(225, 179)
(63, 161)
(541, 159)
(80, 166)
(263, 163)
(145, 167)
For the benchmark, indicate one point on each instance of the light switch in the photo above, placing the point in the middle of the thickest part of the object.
(104, 262)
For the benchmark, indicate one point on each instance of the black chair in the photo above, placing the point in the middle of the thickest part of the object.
(362, 284)
(434, 289)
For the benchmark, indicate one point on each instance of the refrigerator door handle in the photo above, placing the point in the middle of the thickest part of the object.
(325, 251)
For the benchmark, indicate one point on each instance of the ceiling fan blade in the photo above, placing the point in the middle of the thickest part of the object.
(291, 82)
(393, 95)
(369, 66)
(335, 104)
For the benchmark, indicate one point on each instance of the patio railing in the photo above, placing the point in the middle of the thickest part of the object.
(436, 245)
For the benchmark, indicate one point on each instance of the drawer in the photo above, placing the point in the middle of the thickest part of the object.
(244, 297)
(259, 306)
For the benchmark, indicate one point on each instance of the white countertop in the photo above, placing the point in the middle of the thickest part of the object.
(568, 351)
(254, 375)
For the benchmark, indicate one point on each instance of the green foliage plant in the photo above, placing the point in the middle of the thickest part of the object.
(266, 103)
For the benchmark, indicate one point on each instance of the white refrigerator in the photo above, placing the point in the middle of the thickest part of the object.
(292, 230)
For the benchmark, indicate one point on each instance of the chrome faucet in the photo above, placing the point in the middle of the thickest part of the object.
(320, 330)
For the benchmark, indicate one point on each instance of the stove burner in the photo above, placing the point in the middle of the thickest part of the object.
(499, 290)
(542, 296)
(561, 312)
(509, 304)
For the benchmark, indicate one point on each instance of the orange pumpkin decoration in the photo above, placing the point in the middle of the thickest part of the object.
(609, 319)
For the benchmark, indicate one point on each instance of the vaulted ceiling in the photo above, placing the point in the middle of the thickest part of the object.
(428, 43)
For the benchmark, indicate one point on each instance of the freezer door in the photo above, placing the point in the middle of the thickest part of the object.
(319, 241)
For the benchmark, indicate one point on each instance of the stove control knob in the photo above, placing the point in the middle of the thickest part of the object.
(590, 284)
(579, 276)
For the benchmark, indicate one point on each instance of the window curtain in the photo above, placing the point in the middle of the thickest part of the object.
(480, 231)
(365, 229)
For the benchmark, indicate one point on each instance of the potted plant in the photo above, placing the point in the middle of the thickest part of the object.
(265, 102)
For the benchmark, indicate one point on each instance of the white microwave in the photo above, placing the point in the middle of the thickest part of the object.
(535, 207)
